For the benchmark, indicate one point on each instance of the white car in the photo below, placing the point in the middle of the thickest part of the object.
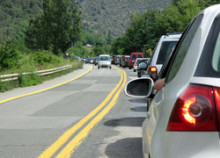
(137, 61)
(183, 120)
(162, 50)
(104, 61)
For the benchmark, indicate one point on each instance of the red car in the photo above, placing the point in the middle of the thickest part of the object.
(133, 57)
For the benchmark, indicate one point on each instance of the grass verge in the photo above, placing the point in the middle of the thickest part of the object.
(34, 79)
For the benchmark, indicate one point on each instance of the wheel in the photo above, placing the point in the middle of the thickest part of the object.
(110, 67)
(98, 67)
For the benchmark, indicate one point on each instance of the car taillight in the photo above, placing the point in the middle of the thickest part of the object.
(153, 69)
(217, 103)
(194, 110)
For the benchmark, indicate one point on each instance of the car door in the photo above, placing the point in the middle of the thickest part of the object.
(161, 105)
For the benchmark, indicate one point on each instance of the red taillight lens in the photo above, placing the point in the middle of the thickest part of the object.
(152, 69)
(194, 110)
(217, 103)
(153, 72)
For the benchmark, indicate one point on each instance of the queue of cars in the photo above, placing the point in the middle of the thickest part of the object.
(183, 117)
(132, 61)
(152, 66)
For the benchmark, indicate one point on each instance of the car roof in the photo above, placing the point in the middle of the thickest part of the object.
(104, 55)
(171, 36)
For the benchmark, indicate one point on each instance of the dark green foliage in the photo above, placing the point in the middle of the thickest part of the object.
(45, 58)
(57, 28)
(36, 36)
(145, 29)
(14, 16)
(109, 37)
(79, 50)
(9, 56)
(5, 86)
(29, 80)
(98, 50)
(88, 38)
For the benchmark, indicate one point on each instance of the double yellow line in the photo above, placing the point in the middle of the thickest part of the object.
(65, 144)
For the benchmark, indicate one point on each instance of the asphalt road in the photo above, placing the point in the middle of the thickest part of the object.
(89, 117)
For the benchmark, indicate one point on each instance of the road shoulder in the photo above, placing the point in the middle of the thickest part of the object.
(46, 84)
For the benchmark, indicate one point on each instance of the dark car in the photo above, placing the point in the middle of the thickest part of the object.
(125, 60)
(88, 60)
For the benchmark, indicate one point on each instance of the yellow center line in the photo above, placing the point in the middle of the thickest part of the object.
(77, 140)
(64, 138)
(42, 90)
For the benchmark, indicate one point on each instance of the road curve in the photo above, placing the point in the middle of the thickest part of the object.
(30, 124)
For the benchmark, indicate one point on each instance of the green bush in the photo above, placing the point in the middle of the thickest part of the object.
(5, 86)
(29, 80)
(9, 56)
(79, 50)
(45, 57)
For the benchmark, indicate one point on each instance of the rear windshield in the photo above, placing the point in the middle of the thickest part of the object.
(139, 56)
(166, 48)
(138, 61)
(209, 64)
(145, 60)
(104, 58)
(134, 56)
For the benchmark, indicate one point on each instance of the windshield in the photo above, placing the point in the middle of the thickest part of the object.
(166, 48)
(104, 58)
(209, 64)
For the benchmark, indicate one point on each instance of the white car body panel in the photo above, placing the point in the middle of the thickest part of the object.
(104, 63)
(164, 38)
(157, 141)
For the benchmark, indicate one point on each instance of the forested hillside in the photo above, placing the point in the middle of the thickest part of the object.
(114, 15)
(97, 15)
(14, 16)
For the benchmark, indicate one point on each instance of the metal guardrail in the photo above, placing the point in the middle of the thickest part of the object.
(12, 77)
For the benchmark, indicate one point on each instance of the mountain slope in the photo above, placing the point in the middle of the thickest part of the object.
(98, 16)
(14, 16)
(114, 15)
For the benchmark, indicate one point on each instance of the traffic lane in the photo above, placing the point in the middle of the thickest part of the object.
(34, 122)
(119, 135)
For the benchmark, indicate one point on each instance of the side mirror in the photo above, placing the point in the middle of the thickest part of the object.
(139, 88)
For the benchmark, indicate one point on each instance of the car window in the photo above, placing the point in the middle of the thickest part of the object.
(182, 48)
(133, 56)
(145, 60)
(165, 50)
(104, 58)
(209, 64)
(139, 56)
(216, 55)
